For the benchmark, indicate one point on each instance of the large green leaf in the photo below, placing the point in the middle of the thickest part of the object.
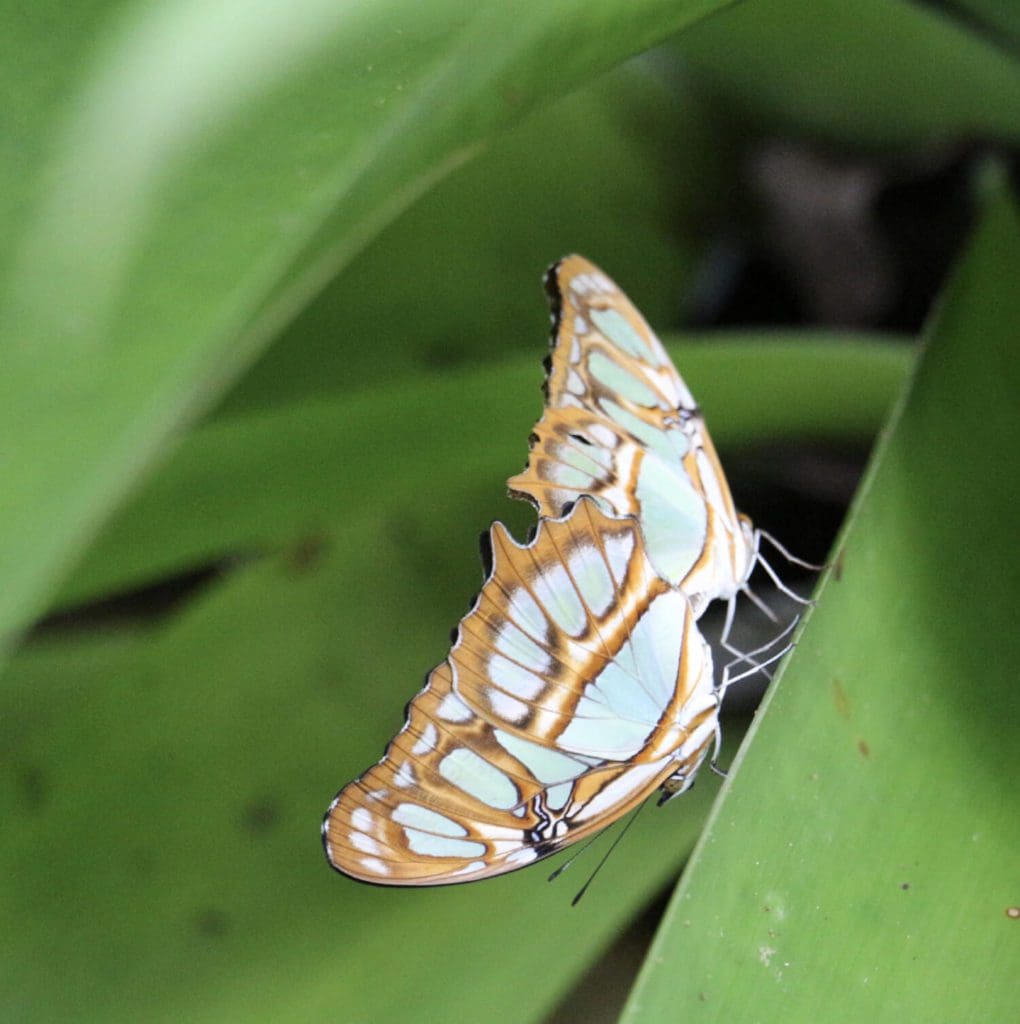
(193, 174)
(863, 859)
(883, 73)
(456, 277)
(262, 481)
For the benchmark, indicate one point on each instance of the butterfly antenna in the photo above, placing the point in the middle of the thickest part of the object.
(570, 860)
(598, 867)
(764, 535)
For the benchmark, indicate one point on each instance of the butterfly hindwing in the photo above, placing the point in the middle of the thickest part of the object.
(578, 684)
(621, 425)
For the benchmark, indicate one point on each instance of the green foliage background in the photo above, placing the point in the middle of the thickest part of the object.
(268, 301)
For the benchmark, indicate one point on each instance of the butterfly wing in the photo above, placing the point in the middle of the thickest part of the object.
(577, 686)
(621, 425)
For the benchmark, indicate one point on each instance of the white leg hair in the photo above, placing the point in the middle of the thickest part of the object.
(726, 682)
(731, 607)
(758, 602)
(763, 535)
(774, 576)
(749, 656)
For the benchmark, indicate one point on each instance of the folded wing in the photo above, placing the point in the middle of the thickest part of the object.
(621, 425)
(578, 684)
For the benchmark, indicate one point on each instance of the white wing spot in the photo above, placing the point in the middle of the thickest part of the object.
(361, 819)
(619, 548)
(518, 646)
(592, 578)
(549, 766)
(468, 771)
(427, 740)
(366, 844)
(428, 820)
(453, 709)
(554, 589)
(525, 855)
(556, 797)
(514, 679)
(475, 865)
(524, 610)
(601, 434)
(510, 709)
(403, 777)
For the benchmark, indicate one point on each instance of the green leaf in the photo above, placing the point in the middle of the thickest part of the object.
(999, 20)
(864, 853)
(196, 172)
(282, 478)
(872, 73)
(455, 279)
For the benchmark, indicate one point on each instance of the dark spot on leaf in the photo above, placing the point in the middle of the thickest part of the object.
(212, 923)
(307, 552)
(841, 699)
(837, 566)
(32, 787)
(905, 886)
(862, 746)
(261, 816)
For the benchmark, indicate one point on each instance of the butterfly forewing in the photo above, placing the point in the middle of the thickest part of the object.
(578, 685)
(621, 425)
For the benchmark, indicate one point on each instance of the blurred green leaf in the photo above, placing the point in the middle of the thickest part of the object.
(284, 478)
(873, 73)
(197, 174)
(998, 19)
(455, 278)
(865, 848)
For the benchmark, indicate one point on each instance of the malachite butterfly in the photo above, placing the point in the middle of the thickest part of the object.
(577, 686)
(579, 683)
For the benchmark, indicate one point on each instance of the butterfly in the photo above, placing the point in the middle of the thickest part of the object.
(577, 686)
(579, 683)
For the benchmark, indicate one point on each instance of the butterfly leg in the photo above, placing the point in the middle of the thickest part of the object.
(750, 656)
(774, 576)
(764, 535)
